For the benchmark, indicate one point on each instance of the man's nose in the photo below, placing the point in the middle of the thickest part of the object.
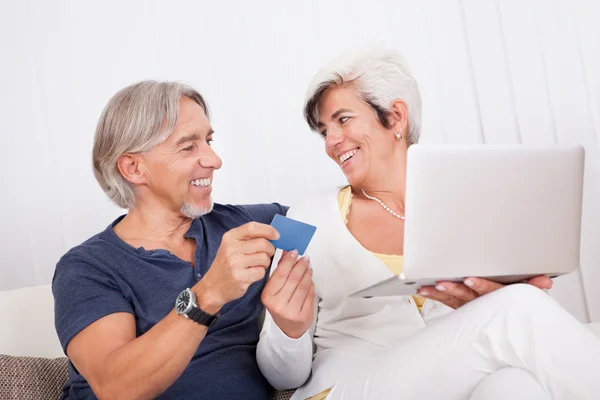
(210, 159)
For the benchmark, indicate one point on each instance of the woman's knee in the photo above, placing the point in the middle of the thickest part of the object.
(509, 383)
(520, 296)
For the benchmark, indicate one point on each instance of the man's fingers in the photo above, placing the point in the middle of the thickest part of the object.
(280, 275)
(255, 274)
(253, 230)
(259, 245)
(458, 290)
(299, 295)
(257, 260)
(541, 282)
(482, 286)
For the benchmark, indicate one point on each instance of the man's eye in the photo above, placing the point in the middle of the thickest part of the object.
(209, 141)
(189, 148)
(343, 119)
(323, 133)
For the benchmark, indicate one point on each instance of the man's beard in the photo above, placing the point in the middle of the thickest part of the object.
(193, 211)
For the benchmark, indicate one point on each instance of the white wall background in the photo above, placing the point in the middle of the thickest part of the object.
(503, 71)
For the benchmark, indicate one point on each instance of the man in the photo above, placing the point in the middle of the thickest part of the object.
(115, 294)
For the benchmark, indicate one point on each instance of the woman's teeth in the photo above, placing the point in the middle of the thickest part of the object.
(201, 182)
(347, 155)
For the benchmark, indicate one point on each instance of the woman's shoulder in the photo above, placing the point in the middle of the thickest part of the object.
(316, 202)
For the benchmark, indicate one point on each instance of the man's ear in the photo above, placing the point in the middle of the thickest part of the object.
(132, 168)
(399, 116)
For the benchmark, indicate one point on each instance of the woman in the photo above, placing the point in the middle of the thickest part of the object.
(367, 107)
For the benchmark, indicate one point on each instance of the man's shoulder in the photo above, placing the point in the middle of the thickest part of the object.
(90, 252)
(244, 213)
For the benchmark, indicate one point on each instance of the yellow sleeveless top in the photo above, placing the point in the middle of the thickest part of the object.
(392, 261)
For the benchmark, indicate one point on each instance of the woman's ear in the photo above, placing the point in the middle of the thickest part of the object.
(399, 117)
(132, 169)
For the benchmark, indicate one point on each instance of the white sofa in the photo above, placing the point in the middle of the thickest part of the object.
(27, 330)
(27, 320)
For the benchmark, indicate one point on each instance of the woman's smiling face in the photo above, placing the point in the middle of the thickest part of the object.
(354, 137)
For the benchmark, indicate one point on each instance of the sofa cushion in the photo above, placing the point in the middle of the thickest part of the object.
(282, 395)
(32, 378)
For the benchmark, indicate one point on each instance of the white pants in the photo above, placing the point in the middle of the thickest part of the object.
(518, 329)
(510, 383)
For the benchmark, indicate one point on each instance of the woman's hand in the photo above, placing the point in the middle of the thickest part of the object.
(289, 295)
(455, 295)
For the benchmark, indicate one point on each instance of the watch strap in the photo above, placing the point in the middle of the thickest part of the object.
(202, 317)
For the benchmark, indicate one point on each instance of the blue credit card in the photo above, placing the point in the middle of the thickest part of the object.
(294, 234)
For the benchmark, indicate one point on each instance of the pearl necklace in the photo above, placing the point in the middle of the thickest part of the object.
(383, 205)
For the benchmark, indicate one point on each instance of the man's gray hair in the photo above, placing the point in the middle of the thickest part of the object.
(135, 119)
(380, 77)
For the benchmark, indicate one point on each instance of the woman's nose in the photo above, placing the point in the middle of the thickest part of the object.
(333, 138)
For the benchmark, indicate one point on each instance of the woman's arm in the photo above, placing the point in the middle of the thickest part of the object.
(285, 349)
(285, 362)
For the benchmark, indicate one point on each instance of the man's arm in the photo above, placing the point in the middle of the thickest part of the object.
(118, 365)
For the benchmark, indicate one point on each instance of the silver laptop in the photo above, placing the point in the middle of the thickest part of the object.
(502, 212)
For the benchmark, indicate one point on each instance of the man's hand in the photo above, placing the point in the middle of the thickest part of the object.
(289, 295)
(458, 294)
(243, 256)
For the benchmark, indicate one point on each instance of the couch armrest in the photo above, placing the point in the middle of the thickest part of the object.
(595, 327)
(32, 378)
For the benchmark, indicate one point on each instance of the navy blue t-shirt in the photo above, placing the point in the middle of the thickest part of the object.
(105, 275)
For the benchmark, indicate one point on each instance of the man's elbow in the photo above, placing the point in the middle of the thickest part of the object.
(107, 390)
(114, 389)
(103, 390)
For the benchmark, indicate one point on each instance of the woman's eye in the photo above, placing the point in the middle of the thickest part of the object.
(209, 141)
(189, 148)
(344, 119)
(323, 133)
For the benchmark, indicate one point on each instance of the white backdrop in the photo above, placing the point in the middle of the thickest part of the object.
(504, 71)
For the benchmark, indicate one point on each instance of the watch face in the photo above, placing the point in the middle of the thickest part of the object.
(183, 302)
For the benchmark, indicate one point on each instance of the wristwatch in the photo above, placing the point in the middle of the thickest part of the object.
(186, 305)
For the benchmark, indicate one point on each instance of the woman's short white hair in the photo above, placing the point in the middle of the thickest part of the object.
(380, 76)
(135, 119)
